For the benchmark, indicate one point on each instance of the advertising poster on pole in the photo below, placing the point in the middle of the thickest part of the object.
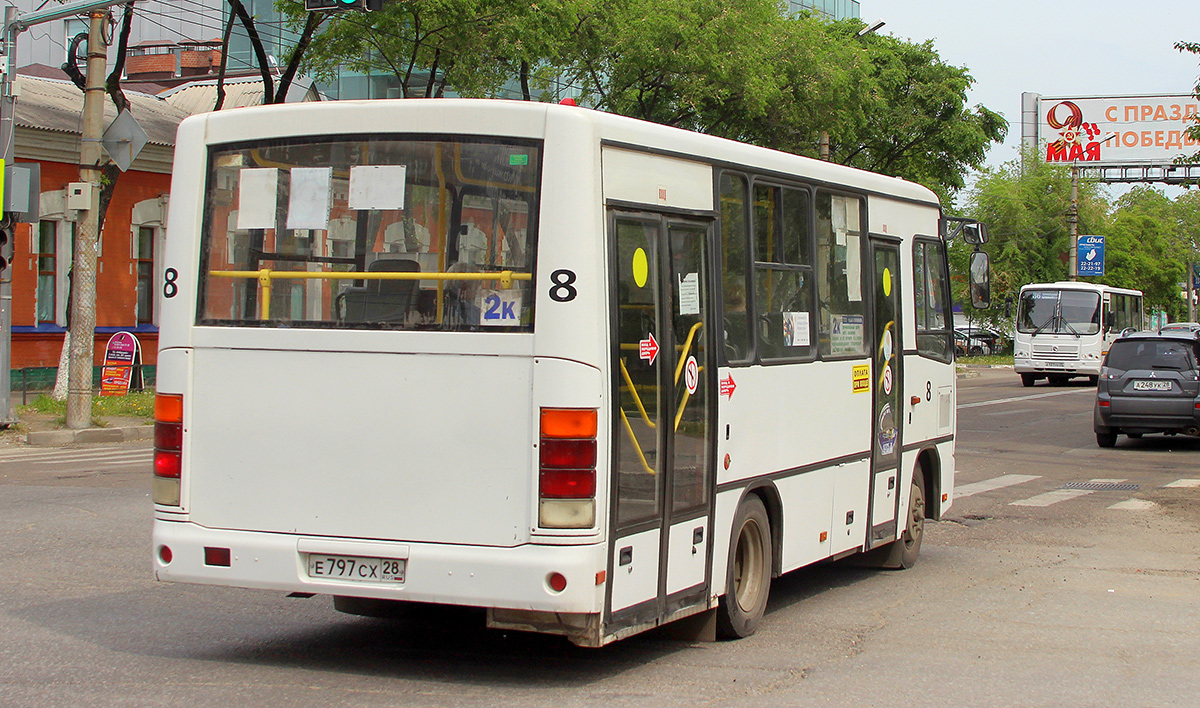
(122, 357)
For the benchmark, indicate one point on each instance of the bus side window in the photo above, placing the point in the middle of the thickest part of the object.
(734, 246)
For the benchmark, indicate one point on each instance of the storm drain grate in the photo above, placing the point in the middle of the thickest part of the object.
(1101, 486)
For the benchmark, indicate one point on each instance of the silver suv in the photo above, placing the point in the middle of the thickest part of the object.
(1150, 383)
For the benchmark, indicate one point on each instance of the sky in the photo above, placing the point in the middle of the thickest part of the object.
(1051, 47)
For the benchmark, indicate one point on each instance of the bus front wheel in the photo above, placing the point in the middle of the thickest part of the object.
(903, 553)
(748, 575)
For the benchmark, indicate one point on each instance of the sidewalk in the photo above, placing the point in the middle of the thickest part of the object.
(45, 430)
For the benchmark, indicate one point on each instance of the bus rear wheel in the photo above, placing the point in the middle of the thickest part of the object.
(748, 575)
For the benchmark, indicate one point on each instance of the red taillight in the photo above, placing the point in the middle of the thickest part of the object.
(568, 484)
(168, 436)
(570, 454)
(167, 464)
(1104, 404)
(217, 556)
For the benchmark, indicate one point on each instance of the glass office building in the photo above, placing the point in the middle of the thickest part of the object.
(828, 9)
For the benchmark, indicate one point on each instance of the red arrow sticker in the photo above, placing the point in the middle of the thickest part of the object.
(648, 349)
(727, 386)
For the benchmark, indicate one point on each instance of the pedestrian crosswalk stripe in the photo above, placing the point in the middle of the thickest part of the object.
(1183, 484)
(1060, 495)
(1134, 505)
(988, 485)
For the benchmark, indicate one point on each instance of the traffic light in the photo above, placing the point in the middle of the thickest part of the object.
(6, 243)
(340, 5)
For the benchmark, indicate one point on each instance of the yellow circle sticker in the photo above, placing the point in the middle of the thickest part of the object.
(887, 282)
(641, 268)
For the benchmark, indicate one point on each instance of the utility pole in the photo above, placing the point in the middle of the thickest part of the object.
(1073, 226)
(83, 279)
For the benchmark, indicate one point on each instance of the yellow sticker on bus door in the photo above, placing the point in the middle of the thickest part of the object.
(862, 378)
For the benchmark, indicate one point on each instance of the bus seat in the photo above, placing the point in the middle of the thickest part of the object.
(380, 300)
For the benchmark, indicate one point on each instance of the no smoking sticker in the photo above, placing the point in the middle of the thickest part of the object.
(691, 375)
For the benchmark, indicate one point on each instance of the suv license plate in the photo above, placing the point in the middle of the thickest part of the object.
(1151, 385)
(356, 568)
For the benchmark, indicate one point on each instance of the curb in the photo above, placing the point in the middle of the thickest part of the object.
(50, 438)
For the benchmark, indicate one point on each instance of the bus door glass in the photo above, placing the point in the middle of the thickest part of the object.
(662, 434)
(886, 351)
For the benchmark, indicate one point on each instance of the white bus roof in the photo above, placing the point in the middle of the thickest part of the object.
(528, 119)
(1079, 285)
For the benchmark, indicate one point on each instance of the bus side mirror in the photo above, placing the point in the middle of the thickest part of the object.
(981, 281)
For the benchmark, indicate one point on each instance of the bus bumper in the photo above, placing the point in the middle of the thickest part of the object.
(478, 576)
(1066, 368)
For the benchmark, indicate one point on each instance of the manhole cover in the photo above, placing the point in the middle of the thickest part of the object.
(1101, 486)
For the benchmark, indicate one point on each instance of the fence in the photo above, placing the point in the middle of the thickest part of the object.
(40, 379)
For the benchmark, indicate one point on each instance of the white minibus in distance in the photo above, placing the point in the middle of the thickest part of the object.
(1064, 329)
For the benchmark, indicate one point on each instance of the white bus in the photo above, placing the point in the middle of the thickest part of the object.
(590, 373)
(1064, 328)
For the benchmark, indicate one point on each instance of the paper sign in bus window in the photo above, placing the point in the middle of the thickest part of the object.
(377, 187)
(689, 294)
(258, 189)
(308, 201)
(795, 329)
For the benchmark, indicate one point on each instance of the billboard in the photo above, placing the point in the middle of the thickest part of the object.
(1111, 130)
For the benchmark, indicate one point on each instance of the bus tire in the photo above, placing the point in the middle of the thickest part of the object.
(1027, 380)
(903, 552)
(748, 573)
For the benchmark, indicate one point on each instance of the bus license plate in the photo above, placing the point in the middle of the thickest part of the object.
(1151, 385)
(357, 568)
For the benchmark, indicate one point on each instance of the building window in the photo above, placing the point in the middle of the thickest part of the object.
(145, 274)
(47, 272)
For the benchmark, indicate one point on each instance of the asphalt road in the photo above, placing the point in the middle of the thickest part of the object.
(1028, 594)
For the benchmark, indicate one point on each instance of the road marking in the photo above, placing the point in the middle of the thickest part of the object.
(998, 401)
(988, 485)
(63, 456)
(1134, 505)
(1060, 495)
(1183, 484)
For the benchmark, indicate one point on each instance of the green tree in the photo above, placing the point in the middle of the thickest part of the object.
(909, 117)
(1144, 249)
(473, 47)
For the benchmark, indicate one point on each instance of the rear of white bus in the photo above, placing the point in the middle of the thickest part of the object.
(352, 397)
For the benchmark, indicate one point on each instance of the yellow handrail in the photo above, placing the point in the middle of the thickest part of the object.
(636, 398)
(637, 447)
(266, 276)
(687, 346)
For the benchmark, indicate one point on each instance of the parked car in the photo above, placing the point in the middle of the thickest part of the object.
(1188, 326)
(975, 341)
(1149, 383)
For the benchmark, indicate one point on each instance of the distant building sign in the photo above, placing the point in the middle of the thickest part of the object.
(1090, 255)
(1116, 130)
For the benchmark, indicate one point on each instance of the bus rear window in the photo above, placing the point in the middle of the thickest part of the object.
(371, 233)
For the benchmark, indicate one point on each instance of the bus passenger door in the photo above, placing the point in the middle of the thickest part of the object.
(662, 432)
(887, 384)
